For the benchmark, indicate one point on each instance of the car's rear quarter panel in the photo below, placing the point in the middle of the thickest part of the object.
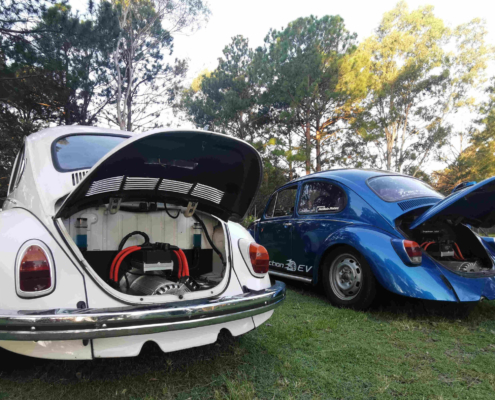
(16, 227)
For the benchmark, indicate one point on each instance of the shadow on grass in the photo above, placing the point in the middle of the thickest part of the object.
(391, 306)
(151, 359)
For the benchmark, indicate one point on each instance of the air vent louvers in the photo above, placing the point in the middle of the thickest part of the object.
(78, 176)
(135, 183)
(408, 204)
(208, 193)
(175, 186)
(132, 183)
(105, 185)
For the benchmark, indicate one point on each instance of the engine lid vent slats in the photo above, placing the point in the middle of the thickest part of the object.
(208, 193)
(133, 183)
(168, 185)
(118, 183)
(408, 204)
(105, 185)
(78, 176)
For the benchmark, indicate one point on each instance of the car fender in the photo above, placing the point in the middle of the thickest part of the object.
(17, 226)
(242, 271)
(425, 281)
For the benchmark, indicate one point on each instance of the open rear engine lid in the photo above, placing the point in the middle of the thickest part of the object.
(221, 173)
(474, 205)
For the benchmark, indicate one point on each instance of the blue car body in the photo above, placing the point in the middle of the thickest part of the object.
(298, 243)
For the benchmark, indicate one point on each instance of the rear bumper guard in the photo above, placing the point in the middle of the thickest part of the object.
(93, 323)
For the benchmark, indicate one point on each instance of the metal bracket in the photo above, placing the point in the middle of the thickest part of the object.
(190, 209)
(114, 205)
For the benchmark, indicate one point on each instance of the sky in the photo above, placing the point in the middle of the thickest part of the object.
(254, 18)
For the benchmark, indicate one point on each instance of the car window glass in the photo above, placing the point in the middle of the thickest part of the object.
(82, 151)
(321, 197)
(271, 206)
(396, 188)
(286, 200)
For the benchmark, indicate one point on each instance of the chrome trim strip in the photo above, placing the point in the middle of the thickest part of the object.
(74, 324)
(288, 276)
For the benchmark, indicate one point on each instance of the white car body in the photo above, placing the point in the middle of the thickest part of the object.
(84, 318)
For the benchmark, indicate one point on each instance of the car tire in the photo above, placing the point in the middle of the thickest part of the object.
(348, 280)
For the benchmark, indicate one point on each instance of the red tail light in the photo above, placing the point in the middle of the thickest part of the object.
(35, 268)
(259, 258)
(413, 251)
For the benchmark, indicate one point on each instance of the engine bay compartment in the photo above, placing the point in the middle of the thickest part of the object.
(151, 250)
(448, 241)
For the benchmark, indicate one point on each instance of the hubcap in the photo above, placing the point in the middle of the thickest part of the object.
(346, 277)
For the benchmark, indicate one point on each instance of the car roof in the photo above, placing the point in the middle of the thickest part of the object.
(48, 135)
(356, 180)
(349, 173)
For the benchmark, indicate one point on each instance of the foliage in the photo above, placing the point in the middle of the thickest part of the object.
(477, 161)
(299, 67)
(143, 82)
(226, 99)
(412, 74)
(51, 72)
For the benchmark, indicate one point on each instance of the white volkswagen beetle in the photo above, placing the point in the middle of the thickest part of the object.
(110, 239)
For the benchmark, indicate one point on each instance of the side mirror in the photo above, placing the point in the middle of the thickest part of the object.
(463, 185)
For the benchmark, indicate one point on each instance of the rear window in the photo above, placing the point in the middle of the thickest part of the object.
(397, 188)
(75, 152)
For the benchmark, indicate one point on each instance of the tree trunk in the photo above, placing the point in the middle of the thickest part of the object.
(129, 113)
(391, 135)
(291, 163)
(308, 145)
(318, 152)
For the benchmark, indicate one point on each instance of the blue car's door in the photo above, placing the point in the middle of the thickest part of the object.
(317, 216)
(275, 229)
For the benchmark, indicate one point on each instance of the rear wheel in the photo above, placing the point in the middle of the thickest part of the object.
(348, 280)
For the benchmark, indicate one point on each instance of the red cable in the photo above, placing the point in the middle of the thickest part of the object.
(112, 268)
(423, 244)
(429, 245)
(179, 260)
(117, 266)
(185, 271)
(459, 251)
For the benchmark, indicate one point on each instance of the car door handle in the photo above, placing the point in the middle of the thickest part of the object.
(288, 224)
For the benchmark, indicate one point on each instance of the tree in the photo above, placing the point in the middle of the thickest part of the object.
(477, 161)
(142, 82)
(412, 74)
(226, 99)
(300, 67)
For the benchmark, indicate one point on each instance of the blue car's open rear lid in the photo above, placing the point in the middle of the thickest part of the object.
(222, 174)
(474, 205)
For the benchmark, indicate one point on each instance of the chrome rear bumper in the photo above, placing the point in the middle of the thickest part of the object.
(74, 324)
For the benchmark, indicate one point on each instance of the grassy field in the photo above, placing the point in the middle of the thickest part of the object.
(308, 350)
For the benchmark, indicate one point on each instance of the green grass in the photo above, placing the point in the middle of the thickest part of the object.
(308, 350)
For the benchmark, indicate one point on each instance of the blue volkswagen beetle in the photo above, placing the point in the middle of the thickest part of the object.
(356, 229)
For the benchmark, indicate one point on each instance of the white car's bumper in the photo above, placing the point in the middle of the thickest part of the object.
(75, 324)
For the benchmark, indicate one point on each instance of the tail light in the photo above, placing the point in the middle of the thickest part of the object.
(255, 256)
(413, 251)
(35, 275)
(259, 258)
